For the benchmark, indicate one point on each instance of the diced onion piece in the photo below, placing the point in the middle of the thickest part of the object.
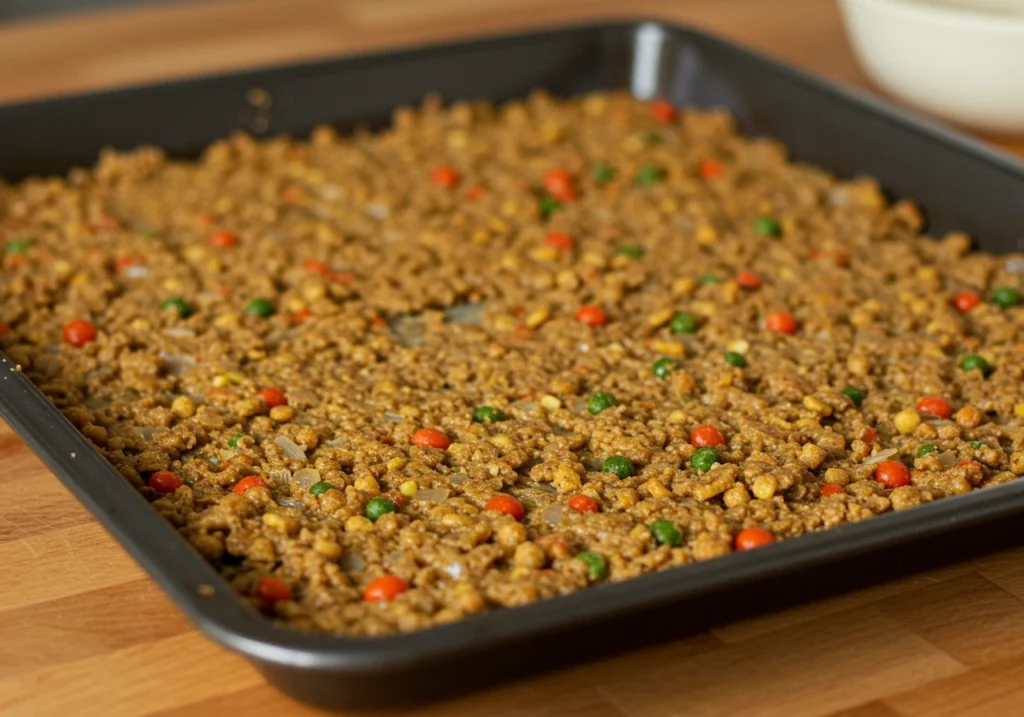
(458, 478)
(306, 477)
(291, 503)
(463, 313)
(881, 456)
(290, 448)
(351, 561)
(552, 515)
(177, 364)
(947, 459)
(436, 495)
(180, 333)
(279, 476)
(454, 569)
(391, 417)
(136, 272)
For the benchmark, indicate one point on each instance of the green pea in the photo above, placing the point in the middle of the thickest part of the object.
(17, 246)
(683, 323)
(263, 308)
(666, 533)
(603, 173)
(1005, 296)
(766, 226)
(179, 305)
(855, 394)
(320, 488)
(597, 565)
(548, 205)
(488, 414)
(233, 441)
(708, 279)
(648, 176)
(703, 459)
(618, 466)
(663, 367)
(632, 251)
(926, 449)
(601, 401)
(973, 361)
(377, 507)
(977, 444)
(734, 358)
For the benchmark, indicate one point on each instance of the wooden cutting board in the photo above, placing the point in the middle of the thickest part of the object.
(83, 631)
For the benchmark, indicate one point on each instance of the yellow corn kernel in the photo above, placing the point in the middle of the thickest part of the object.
(592, 258)
(660, 318)
(295, 304)
(677, 417)
(481, 235)
(61, 267)
(221, 381)
(550, 402)
(504, 323)
(537, 317)
(683, 286)
(183, 407)
(510, 262)
(409, 488)
(282, 414)
(358, 524)
(503, 442)
(706, 235)
(669, 348)
(140, 325)
(195, 252)
(368, 484)
(1019, 409)
(172, 284)
(396, 464)
(739, 346)
(906, 421)
(544, 253)
(226, 320)
(926, 273)
(509, 208)
(812, 403)
(858, 366)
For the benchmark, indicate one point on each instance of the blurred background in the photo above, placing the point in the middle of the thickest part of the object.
(19, 9)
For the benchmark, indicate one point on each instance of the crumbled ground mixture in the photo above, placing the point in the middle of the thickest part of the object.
(494, 355)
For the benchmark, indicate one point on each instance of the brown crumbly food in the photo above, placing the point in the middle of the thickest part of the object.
(400, 305)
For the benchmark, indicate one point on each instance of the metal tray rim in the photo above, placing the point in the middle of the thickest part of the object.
(223, 616)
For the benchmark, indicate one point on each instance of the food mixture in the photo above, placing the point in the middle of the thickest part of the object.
(494, 355)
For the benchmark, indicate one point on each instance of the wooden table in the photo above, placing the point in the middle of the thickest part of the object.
(84, 631)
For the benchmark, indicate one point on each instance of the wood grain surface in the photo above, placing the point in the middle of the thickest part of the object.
(83, 631)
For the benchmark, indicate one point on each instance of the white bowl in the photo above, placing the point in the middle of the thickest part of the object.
(960, 59)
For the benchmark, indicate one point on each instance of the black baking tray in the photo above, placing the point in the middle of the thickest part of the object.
(960, 183)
